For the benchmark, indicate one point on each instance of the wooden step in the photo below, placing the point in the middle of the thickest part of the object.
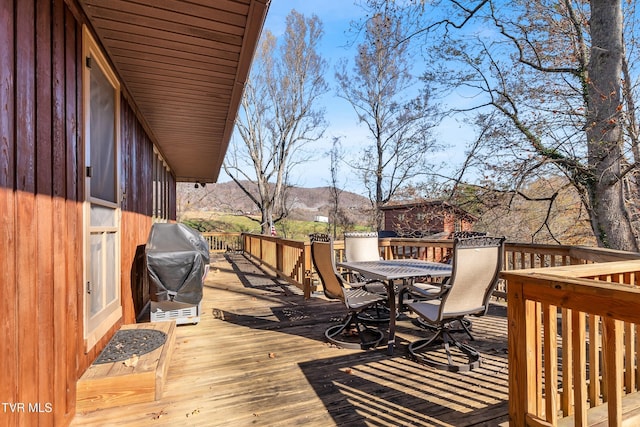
(118, 383)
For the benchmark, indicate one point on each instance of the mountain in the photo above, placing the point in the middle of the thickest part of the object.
(227, 197)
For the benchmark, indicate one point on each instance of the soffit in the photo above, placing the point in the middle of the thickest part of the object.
(184, 65)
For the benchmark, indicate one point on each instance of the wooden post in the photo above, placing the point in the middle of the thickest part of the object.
(308, 268)
(579, 367)
(518, 365)
(550, 348)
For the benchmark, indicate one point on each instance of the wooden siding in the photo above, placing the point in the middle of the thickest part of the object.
(137, 207)
(425, 219)
(41, 228)
(41, 218)
(8, 324)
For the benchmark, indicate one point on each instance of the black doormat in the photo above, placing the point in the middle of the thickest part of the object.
(131, 342)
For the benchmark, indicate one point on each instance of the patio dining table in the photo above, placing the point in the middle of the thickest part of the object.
(393, 273)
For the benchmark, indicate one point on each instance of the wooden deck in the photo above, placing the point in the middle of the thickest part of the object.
(258, 357)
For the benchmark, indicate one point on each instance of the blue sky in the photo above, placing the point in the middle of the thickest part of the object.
(336, 17)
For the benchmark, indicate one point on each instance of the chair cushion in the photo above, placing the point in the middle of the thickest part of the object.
(426, 309)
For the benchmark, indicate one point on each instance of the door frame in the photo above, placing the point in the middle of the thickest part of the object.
(95, 329)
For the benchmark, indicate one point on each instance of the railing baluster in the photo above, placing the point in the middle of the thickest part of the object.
(579, 367)
(613, 367)
(537, 321)
(594, 360)
(629, 354)
(550, 350)
(567, 397)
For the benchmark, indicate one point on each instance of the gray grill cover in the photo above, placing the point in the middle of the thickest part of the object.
(177, 260)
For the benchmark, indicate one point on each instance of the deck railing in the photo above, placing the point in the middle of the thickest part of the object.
(573, 345)
(289, 259)
(572, 316)
(223, 242)
(517, 255)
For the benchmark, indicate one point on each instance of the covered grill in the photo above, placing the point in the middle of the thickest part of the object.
(177, 259)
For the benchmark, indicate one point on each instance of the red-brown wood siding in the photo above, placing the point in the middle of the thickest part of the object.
(8, 312)
(137, 159)
(40, 213)
(42, 352)
(406, 219)
(64, 205)
(75, 196)
(27, 298)
(429, 219)
(44, 200)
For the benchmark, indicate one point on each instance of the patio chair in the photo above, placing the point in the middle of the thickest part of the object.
(467, 234)
(363, 246)
(476, 264)
(352, 332)
(427, 289)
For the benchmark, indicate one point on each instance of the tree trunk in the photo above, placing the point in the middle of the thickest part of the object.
(609, 216)
(266, 222)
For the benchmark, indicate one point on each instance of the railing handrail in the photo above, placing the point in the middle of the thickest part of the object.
(579, 280)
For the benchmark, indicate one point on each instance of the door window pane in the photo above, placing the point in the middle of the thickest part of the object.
(111, 288)
(102, 124)
(96, 287)
(102, 216)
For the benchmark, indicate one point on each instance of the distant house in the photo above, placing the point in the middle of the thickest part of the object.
(104, 106)
(426, 218)
(320, 218)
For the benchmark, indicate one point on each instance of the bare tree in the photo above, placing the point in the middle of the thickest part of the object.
(604, 127)
(549, 76)
(335, 190)
(382, 91)
(278, 115)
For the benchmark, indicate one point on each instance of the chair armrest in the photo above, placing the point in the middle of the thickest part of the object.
(428, 290)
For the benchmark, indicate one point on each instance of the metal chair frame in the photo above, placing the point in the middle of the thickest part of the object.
(356, 299)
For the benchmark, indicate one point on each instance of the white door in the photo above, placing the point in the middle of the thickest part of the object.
(102, 306)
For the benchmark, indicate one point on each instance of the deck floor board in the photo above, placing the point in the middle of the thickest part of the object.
(258, 357)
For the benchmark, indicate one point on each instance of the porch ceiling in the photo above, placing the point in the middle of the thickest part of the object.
(184, 64)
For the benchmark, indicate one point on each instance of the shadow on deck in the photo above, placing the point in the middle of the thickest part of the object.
(258, 357)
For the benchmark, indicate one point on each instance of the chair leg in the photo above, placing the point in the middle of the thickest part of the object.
(401, 307)
(378, 313)
(364, 338)
(419, 350)
(466, 325)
